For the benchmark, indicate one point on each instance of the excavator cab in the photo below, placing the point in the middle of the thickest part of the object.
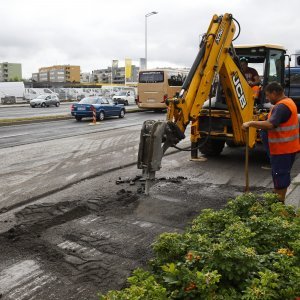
(215, 125)
(268, 61)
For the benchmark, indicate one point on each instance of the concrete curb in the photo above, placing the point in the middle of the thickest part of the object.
(33, 120)
(293, 193)
(5, 122)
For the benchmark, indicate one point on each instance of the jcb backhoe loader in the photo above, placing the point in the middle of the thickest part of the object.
(215, 98)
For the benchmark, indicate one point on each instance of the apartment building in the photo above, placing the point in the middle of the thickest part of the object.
(10, 71)
(115, 75)
(85, 77)
(58, 73)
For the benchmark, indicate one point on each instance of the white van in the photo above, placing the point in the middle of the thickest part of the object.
(12, 90)
(125, 97)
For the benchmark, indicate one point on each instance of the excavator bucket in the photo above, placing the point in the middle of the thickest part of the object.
(156, 137)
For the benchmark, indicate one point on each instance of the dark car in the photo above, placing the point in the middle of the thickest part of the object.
(104, 108)
(293, 89)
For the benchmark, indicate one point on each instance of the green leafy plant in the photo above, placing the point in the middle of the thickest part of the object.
(248, 250)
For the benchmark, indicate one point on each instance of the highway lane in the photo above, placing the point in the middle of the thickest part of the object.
(37, 132)
(25, 111)
(41, 157)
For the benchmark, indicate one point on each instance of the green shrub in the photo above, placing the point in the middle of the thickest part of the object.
(248, 250)
(143, 286)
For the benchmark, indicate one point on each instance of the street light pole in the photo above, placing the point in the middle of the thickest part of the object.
(146, 16)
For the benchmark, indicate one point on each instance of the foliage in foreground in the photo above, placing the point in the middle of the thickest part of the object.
(248, 250)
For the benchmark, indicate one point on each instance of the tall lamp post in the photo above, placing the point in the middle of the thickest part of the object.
(146, 16)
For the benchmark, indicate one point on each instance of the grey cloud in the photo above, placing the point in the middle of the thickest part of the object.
(93, 32)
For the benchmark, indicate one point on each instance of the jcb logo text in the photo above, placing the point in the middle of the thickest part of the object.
(239, 90)
(219, 35)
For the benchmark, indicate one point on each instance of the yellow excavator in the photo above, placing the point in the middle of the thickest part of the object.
(215, 98)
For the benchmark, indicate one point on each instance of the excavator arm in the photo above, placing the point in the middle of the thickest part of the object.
(215, 57)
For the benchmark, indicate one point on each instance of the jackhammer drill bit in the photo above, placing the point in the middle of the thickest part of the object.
(150, 177)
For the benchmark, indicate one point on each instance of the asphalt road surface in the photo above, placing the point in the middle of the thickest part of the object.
(37, 132)
(73, 221)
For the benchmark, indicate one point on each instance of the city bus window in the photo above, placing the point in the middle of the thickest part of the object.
(151, 77)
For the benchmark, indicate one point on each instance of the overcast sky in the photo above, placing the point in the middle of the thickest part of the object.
(90, 33)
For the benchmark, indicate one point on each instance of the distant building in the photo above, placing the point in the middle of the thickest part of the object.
(115, 76)
(102, 76)
(35, 77)
(58, 74)
(142, 64)
(10, 71)
(85, 77)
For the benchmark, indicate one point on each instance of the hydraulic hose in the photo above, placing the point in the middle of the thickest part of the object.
(192, 72)
(188, 80)
(207, 136)
(239, 26)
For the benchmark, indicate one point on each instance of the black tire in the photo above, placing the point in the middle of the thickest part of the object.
(122, 113)
(211, 147)
(57, 104)
(101, 116)
(126, 103)
(33, 106)
(161, 110)
(78, 118)
(43, 104)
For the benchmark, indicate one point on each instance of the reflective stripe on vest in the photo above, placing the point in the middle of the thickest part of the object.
(282, 140)
(286, 128)
(285, 138)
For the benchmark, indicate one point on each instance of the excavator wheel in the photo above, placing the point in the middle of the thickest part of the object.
(231, 144)
(211, 147)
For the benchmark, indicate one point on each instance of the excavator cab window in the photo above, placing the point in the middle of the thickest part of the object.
(268, 62)
(275, 70)
(256, 58)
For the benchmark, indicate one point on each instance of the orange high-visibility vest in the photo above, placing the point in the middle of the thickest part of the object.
(285, 138)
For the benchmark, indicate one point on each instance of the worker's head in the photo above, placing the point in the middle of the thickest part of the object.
(244, 63)
(274, 92)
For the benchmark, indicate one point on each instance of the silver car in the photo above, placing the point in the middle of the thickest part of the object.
(45, 100)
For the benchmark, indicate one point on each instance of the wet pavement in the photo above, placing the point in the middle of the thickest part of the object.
(88, 237)
(73, 220)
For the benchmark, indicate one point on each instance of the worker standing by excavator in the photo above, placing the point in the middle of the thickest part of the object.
(282, 126)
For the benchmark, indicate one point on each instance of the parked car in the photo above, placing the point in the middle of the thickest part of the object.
(124, 97)
(45, 100)
(104, 108)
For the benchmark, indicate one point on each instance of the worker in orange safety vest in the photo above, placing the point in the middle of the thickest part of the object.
(282, 128)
